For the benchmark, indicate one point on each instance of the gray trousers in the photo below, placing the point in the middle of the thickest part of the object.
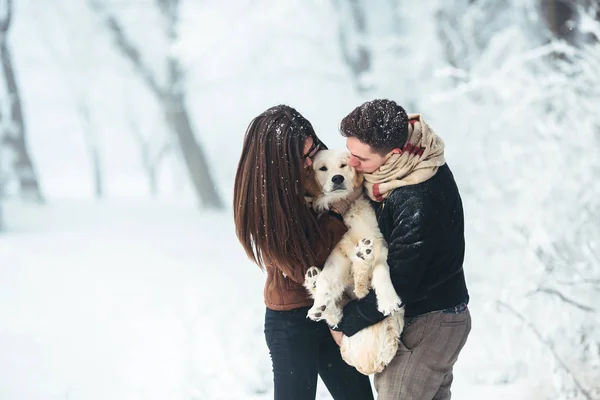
(422, 368)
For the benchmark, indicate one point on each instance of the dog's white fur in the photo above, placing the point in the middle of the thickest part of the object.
(356, 264)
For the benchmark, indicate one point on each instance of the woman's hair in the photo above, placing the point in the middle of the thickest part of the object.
(272, 220)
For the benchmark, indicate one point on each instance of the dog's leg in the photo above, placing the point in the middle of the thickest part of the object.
(362, 262)
(330, 286)
(310, 280)
(387, 298)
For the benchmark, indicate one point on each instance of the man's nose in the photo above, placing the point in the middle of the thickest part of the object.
(307, 162)
(353, 162)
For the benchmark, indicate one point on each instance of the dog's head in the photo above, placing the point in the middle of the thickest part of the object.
(334, 177)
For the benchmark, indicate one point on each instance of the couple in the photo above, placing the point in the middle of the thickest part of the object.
(419, 211)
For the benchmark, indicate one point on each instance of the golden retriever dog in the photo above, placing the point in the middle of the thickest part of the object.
(357, 264)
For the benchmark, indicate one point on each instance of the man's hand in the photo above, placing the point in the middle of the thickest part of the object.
(337, 336)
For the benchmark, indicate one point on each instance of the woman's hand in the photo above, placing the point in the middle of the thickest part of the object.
(337, 336)
(355, 194)
(342, 206)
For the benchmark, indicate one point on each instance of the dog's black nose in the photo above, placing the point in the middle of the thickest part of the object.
(337, 179)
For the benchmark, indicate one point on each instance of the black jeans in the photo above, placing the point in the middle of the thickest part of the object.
(301, 348)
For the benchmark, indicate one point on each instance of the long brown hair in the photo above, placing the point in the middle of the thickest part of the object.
(272, 220)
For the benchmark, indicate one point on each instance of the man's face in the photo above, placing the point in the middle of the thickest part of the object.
(362, 157)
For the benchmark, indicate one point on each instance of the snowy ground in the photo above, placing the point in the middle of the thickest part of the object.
(152, 301)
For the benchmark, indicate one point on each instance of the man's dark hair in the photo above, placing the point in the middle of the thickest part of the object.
(382, 124)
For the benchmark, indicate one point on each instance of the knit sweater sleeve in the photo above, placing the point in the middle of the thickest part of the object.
(410, 250)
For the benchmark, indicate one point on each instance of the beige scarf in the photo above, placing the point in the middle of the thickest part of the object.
(418, 161)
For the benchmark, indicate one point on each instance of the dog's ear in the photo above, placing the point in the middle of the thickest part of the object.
(311, 187)
(358, 178)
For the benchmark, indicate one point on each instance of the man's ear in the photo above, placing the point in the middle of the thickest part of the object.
(397, 150)
(311, 187)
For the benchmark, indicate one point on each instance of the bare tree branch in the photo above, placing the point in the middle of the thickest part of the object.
(583, 281)
(563, 298)
(594, 254)
(127, 47)
(169, 9)
(549, 346)
(5, 15)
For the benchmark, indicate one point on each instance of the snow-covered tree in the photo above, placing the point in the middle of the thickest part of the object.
(12, 119)
(531, 100)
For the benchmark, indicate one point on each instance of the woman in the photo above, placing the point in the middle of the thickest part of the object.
(283, 235)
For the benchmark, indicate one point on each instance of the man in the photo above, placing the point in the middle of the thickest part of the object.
(419, 212)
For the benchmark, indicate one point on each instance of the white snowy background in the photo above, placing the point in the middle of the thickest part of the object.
(120, 291)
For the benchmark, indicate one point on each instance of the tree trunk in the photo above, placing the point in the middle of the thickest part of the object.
(560, 18)
(152, 182)
(97, 172)
(178, 117)
(1, 162)
(193, 154)
(1, 184)
(92, 144)
(15, 136)
(352, 39)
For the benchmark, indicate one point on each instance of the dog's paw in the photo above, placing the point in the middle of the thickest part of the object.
(388, 303)
(316, 312)
(364, 249)
(320, 204)
(361, 291)
(310, 279)
(333, 316)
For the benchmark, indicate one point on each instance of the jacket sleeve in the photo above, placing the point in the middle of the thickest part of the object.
(332, 229)
(410, 250)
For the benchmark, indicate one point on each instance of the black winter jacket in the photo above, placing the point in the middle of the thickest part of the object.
(423, 225)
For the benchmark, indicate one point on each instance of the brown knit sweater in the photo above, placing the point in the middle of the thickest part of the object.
(287, 293)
